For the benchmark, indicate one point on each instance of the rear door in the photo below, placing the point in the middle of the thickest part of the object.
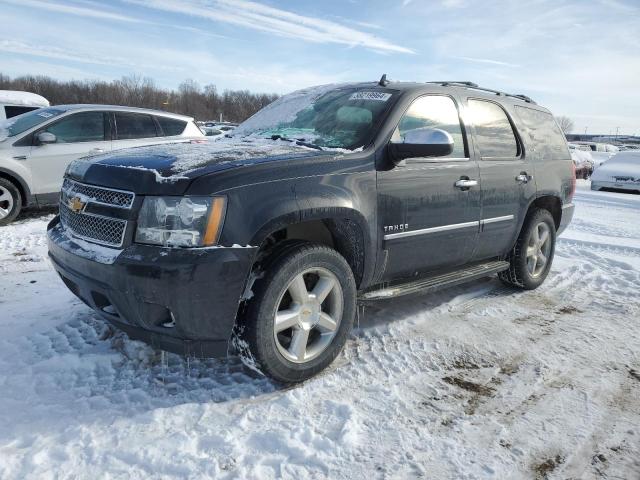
(77, 135)
(506, 175)
(427, 221)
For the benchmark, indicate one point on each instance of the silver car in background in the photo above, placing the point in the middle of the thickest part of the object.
(620, 173)
(36, 147)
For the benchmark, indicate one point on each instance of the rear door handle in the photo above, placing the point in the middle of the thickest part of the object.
(523, 178)
(466, 184)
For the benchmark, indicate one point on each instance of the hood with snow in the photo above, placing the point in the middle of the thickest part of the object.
(170, 168)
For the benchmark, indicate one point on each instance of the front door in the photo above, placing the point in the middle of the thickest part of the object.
(77, 135)
(506, 174)
(429, 219)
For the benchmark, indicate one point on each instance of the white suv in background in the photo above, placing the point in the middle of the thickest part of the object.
(36, 147)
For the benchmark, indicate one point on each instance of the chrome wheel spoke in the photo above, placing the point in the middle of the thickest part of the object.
(306, 322)
(542, 260)
(531, 251)
(286, 319)
(298, 346)
(323, 288)
(326, 324)
(3, 213)
(5, 196)
(543, 237)
(298, 290)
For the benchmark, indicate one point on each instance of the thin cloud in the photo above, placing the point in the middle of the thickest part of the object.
(73, 10)
(276, 21)
(488, 61)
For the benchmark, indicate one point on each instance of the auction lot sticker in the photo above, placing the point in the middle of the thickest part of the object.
(378, 96)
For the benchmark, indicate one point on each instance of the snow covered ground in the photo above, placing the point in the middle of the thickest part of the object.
(475, 382)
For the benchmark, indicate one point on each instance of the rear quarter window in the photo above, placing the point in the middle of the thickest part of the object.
(548, 140)
(171, 126)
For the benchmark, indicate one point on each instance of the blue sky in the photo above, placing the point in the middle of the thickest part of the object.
(579, 58)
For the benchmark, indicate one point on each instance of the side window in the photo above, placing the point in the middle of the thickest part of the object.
(79, 127)
(493, 133)
(135, 125)
(548, 140)
(434, 111)
(171, 126)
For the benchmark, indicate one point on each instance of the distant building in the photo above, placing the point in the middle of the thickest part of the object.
(622, 139)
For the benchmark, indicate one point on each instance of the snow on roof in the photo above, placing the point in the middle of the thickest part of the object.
(14, 97)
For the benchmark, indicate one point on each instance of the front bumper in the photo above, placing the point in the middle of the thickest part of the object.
(615, 186)
(567, 215)
(180, 300)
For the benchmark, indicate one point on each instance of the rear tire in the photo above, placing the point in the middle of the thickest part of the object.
(10, 202)
(301, 313)
(531, 257)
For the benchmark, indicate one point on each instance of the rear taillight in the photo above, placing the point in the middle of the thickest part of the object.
(572, 191)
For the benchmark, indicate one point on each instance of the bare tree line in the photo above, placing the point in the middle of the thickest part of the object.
(135, 91)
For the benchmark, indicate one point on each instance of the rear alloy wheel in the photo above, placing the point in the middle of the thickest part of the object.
(10, 202)
(531, 257)
(301, 313)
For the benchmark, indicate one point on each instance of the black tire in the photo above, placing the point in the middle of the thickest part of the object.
(257, 328)
(10, 201)
(519, 274)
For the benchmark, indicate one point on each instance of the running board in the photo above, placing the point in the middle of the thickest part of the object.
(437, 282)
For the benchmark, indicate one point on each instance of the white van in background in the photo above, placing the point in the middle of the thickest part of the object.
(14, 103)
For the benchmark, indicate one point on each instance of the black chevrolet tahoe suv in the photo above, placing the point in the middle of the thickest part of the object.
(262, 243)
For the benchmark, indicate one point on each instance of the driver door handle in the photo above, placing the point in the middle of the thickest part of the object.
(523, 178)
(465, 183)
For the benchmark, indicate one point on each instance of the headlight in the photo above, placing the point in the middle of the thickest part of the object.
(181, 221)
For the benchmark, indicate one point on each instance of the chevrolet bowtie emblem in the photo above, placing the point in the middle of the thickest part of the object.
(75, 204)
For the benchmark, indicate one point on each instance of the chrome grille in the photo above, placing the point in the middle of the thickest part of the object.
(105, 196)
(94, 228)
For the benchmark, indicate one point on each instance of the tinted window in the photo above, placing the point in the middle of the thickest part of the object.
(135, 125)
(11, 111)
(433, 112)
(544, 132)
(79, 127)
(494, 135)
(171, 126)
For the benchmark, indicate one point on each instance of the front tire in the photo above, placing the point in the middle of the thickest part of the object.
(301, 313)
(10, 202)
(531, 257)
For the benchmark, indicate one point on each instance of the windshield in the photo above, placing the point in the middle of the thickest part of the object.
(328, 116)
(24, 122)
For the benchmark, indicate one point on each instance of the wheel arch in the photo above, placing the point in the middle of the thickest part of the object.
(342, 229)
(20, 184)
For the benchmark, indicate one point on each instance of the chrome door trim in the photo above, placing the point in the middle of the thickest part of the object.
(425, 231)
(505, 218)
(444, 228)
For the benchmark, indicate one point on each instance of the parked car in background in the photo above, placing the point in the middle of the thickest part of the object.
(214, 129)
(14, 103)
(620, 173)
(600, 152)
(327, 196)
(36, 147)
(581, 156)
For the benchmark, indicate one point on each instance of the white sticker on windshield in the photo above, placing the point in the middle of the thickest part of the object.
(45, 114)
(378, 96)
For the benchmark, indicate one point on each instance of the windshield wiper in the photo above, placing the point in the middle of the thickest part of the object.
(298, 141)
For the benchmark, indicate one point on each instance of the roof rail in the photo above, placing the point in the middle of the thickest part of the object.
(476, 87)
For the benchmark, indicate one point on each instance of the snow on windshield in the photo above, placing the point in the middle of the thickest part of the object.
(283, 110)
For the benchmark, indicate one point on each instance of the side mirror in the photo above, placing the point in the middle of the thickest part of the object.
(422, 142)
(45, 137)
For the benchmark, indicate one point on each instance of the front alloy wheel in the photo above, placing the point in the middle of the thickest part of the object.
(308, 315)
(301, 313)
(538, 249)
